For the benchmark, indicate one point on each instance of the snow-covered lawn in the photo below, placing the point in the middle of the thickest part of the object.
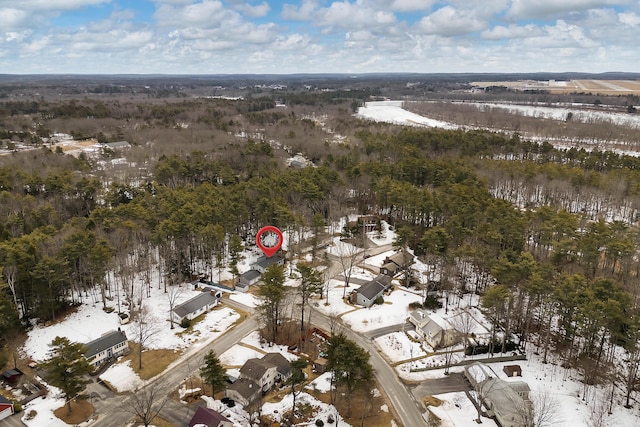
(238, 355)
(321, 384)
(43, 408)
(395, 310)
(575, 408)
(397, 346)
(121, 377)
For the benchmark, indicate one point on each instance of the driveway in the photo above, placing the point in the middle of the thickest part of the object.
(13, 421)
(454, 382)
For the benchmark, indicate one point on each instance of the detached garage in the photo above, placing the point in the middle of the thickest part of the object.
(6, 408)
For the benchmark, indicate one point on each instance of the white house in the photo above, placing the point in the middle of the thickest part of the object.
(108, 346)
(432, 328)
(261, 372)
(197, 305)
(263, 262)
(247, 279)
(366, 294)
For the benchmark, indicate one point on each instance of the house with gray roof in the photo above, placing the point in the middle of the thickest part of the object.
(397, 263)
(197, 305)
(6, 407)
(109, 346)
(116, 145)
(507, 401)
(435, 330)
(263, 262)
(366, 294)
(244, 391)
(283, 366)
(247, 279)
(261, 372)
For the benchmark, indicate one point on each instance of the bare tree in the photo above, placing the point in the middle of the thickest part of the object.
(173, 294)
(347, 254)
(145, 327)
(146, 403)
(542, 410)
(463, 323)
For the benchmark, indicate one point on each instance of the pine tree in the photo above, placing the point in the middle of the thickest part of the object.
(213, 373)
(67, 367)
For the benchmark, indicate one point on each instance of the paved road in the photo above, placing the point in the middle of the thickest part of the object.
(452, 383)
(408, 409)
(375, 333)
(107, 408)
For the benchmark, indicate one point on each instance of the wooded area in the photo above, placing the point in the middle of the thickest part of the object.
(549, 237)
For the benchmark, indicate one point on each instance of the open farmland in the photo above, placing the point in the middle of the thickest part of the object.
(602, 87)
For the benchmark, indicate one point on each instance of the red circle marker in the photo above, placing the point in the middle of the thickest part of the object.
(269, 249)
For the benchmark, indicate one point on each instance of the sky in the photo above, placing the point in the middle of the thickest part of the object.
(317, 36)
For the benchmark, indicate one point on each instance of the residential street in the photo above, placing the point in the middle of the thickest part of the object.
(406, 407)
(108, 409)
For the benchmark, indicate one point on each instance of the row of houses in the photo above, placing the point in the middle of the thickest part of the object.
(258, 376)
(368, 292)
(259, 266)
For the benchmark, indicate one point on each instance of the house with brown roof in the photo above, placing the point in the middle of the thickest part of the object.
(260, 372)
(283, 366)
(206, 417)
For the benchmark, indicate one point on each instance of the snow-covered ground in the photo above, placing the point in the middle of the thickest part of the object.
(392, 112)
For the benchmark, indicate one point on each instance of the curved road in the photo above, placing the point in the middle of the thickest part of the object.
(407, 408)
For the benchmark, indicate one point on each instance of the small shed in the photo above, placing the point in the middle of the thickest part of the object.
(319, 365)
(512, 370)
(12, 376)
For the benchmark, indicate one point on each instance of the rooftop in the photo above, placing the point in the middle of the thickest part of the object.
(105, 342)
(195, 303)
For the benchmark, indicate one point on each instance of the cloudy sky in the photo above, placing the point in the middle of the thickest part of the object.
(318, 36)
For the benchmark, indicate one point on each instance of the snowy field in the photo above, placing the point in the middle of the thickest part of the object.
(392, 112)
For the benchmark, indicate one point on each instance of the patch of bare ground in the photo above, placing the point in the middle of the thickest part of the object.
(81, 410)
(153, 361)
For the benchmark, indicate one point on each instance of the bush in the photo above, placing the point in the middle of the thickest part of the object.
(484, 348)
(415, 305)
(185, 323)
(229, 402)
(319, 423)
(379, 301)
(17, 407)
(432, 303)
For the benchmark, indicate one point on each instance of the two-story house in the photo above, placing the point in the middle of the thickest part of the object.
(107, 347)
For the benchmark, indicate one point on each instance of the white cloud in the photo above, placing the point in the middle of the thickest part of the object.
(304, 12)
(448, 21)
(49, 5)
(527, 9)
(411, 5)
(345, 14)
(254, 11)
(629, 18)
(500, 32)
(12, 18)
(206, 13)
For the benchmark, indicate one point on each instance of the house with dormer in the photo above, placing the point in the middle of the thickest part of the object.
(433, 329)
